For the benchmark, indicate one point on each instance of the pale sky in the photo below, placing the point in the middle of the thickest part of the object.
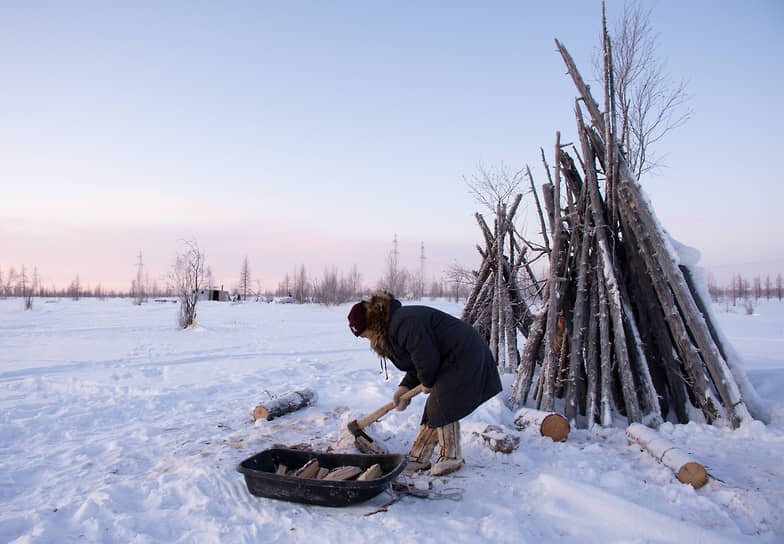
(312, 133)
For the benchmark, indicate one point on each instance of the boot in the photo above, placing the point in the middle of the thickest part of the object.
(422, 449)
(451, 457)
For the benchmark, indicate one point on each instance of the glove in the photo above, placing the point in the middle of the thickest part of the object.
(401, 405)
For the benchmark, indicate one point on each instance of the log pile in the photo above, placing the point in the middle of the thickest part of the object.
(633, 341)
(497, 305)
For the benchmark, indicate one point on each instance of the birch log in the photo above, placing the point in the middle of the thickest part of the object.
(685, 468)
(284, 404)
(549, 424)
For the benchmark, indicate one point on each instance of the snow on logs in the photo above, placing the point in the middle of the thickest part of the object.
(685, 468)
(549, 424)
(497, 440)
(284, 404)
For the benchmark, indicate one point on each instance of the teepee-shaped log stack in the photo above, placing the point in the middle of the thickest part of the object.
(623, 330)
(497, 305)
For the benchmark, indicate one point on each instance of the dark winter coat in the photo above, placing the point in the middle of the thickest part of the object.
(445, 354)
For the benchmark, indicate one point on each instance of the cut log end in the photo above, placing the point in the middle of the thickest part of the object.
(556, 427)
(260, 413)
(694, 474)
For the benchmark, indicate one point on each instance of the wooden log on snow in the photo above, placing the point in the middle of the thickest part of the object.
(549, 424)
(497, 440)
(284, 404)
(685, 468)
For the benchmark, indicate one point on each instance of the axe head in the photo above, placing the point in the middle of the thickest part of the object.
(354, 429)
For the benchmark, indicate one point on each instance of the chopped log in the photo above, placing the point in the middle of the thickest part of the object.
(323, 471)
(549, 424)
(497, 440)
(284, 404)
(343, 473)
(372, 473)
(685, 468)
(308, 470)
(282, 469)
(373, 447)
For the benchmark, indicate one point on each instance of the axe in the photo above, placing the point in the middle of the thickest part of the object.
(356, 427)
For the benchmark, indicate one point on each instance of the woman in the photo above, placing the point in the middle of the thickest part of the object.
(444, 354)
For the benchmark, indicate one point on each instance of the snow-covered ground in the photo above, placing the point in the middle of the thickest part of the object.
(116, 426)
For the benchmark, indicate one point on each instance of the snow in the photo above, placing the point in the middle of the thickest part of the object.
(116, 426)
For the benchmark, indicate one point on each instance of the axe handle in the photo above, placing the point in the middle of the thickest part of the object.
(370, 418)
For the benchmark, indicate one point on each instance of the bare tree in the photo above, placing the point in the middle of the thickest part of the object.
(137, 286)
(778, 287)
(9, 282)
(757, 287)
(25, 289)
(75, 290)
(334, 288)
(187, 277)
(301, 287)
(649, 103)
(355, 282)
(494, 187)
(460, 279)
(245, 280)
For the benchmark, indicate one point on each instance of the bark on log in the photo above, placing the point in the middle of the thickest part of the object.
(284, 404)
(525, 373)
(717, 367)
(578, 323)
(605, 354)
(554, 306)
(497, 440)
(682, 341)
(549, 424)
(592, 361)
(606, 275)
(752, 400)
(687, 470)
(625, 180)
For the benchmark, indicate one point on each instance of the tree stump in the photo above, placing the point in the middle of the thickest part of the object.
(548, 424)
(284, 404)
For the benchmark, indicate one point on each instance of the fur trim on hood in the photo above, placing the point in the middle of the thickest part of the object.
(378, 322)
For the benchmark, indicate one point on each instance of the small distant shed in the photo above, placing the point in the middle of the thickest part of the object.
(214, 294)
